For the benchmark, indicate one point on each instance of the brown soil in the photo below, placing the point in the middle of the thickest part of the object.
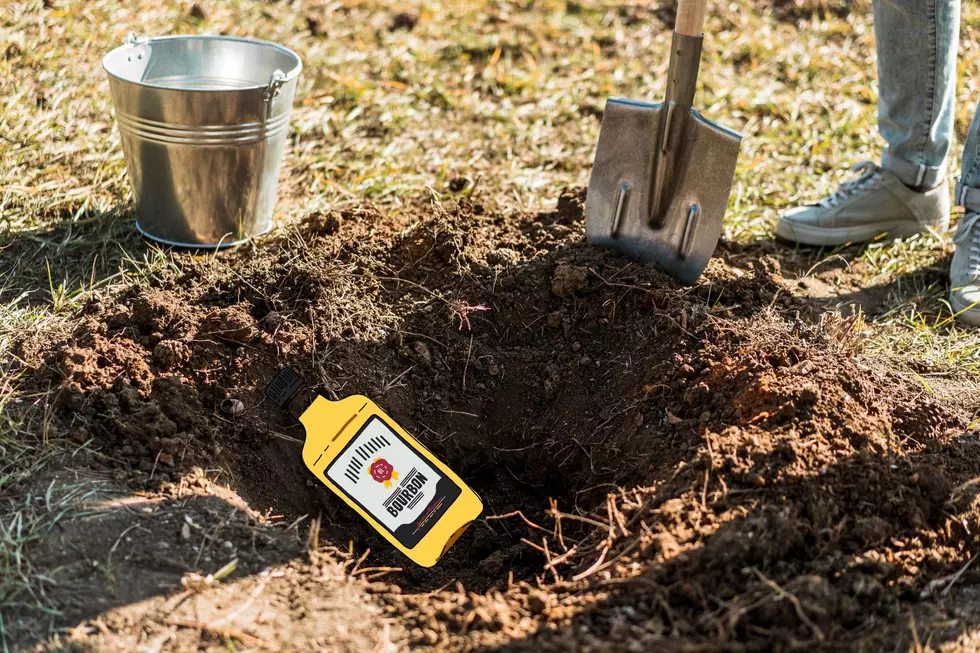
(704, 469)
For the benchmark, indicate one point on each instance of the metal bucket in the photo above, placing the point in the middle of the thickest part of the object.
(203, 124)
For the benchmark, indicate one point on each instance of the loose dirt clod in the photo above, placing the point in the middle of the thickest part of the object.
(568, 280)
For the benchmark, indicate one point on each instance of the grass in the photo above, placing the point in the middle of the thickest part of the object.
(501, 94)
(29, 510)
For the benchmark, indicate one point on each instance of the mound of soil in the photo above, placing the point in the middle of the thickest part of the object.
(658, 464)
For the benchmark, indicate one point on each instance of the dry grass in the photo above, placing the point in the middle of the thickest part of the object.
(504, 95)
(501, 95)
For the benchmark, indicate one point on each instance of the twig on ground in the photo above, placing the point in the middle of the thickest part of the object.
(562, 558)
(619, 555)
(313, 543)
(227, 633)
(266, 577)
(466, 366)
(536, 547)
(595, 566)
(557, 516)
(957, 575)
(461, 311)
(587, 520)
(373, 570)
(118, 540)
(549, 564)
(916, 644)
(797, 606)
(363, 557)
(516, 513)
(616, 516)
(381, 573)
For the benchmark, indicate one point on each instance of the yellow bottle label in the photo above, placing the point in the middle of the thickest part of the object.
(408, 495)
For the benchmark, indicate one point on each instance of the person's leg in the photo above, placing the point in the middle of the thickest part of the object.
(964, 269)
(968, 188)
(917, 42)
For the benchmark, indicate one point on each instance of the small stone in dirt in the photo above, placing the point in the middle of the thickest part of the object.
(422, 353)
(325, 224)
(585, 360)
(403, 21)
(170, 445)
(554, 320)
(118, 320)
(129, 398)
(230, 324)
(569, 279)
(576, 346)
(503, 256)
(185, 531)
(232, 406)
(169, 354)
(197, 12)
(871, 531)
(493, 369)
(166, 459)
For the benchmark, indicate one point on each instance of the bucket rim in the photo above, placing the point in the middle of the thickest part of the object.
(291, 74)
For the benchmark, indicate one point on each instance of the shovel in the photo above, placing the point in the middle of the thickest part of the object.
(663, 172)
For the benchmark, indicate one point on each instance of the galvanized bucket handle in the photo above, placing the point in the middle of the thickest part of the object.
(135, 39)
(272, 91)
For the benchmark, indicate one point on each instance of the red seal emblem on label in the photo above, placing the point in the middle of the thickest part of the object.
(382, 471)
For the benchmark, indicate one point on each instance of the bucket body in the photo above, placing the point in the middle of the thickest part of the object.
(203, 122)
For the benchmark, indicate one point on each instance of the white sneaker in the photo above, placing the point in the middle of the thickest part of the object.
(964, 271)
(875, 203)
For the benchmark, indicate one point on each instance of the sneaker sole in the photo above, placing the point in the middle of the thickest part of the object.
(965, 313)
(824, 236)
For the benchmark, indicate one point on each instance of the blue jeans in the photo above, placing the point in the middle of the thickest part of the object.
(917, 42)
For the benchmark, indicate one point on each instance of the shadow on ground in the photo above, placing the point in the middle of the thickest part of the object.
(842, 280)
(820, 540)
(54, 263)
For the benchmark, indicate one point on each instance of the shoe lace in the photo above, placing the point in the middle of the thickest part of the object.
(869, 175)
(969, 232)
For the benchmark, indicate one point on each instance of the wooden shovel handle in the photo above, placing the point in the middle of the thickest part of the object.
(690, 17)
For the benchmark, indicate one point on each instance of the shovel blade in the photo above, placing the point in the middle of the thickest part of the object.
(696, 189)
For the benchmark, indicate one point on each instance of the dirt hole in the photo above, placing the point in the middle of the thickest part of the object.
(533, 364)
(549, 374)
